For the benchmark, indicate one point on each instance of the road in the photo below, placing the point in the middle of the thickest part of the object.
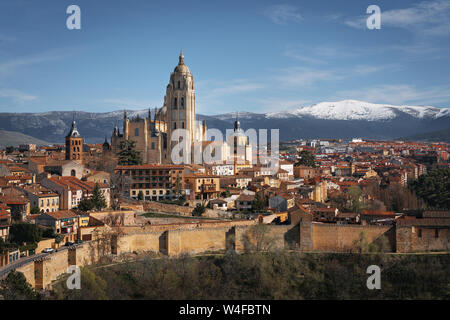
(23, 261)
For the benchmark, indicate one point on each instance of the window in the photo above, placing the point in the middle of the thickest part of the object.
(72, 173)
(136, 132)
(175, 103)
(179, 84)
(182, 125)
(174, 125)
(436, 233)
(419, 233)
(182, 103)
(153, 145)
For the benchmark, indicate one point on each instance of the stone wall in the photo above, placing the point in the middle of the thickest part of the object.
(340, 238)
(271, 237)
(408, 239)
(28, 272)
(50, 268)
(153, 206)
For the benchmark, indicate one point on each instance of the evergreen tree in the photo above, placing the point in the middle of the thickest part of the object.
(434, 188)
(35, 210)
(16, 287)
(140, 195)
(258, 205)
(25, 232)
(199, 210)
(86, 205)
(306, 159)
(128, 154)
(98, 199)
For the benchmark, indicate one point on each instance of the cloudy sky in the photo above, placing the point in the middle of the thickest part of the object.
(254, 56)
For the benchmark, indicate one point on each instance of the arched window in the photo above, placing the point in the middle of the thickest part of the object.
(174, 125)
(175, 103)
(73, 173)
(136, 132)
(182, 125)
(182, 103)
(179, 84)
(153, 145)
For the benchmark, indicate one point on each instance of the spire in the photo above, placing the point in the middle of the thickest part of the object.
(124, 114)
(73, 130)
(181, 58)
(237, 124)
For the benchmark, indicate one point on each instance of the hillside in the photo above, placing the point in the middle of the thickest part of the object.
(433, 136)
(12, 138)
(341, 119)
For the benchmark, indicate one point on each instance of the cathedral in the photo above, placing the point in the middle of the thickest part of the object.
(153, 137)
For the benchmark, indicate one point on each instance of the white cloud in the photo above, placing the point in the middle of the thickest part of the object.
(16, 95)
(427, 18)
(283, 14)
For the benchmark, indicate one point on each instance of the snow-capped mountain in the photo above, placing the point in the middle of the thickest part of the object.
(360, 110)
(342, 119)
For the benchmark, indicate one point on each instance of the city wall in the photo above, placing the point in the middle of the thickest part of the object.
(341, 238)
(408, 239)
(215, 236)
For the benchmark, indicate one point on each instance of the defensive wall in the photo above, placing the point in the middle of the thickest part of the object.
(219, 236)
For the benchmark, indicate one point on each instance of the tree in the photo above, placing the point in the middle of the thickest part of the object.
(362, 244)
(128, 154)
(86, 205)
(434, 188)
(258, 204)
(258, 238)
(356, 200)
(177, 187)
(98, 199)
(9, 150)
(140, 195)
(199, 210)
(35, 210)
(16, 287)
(306, 159)
(25, 232)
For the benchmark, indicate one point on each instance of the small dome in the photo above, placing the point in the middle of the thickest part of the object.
(74, 131)
(181, 67)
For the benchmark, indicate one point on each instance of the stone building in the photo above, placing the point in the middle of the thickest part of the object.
(153, 136)
(74, 144)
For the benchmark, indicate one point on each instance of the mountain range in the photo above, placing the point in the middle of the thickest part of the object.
(342, 119)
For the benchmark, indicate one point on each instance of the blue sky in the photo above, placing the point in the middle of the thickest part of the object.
(256, 56)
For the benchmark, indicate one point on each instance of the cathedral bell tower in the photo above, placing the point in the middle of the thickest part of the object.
(74, 144)
(180, 103)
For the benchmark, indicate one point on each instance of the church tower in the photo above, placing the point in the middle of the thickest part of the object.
(74, 144)
(180, 103)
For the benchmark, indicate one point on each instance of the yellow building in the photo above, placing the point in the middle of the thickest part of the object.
(203, 186)
(43, 198)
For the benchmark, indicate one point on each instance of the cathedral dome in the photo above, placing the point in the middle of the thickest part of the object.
(181, 67)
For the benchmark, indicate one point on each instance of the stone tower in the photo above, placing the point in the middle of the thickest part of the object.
(74, 144)
(180, 103)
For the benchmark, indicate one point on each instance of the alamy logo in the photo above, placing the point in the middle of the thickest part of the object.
(74, 20)
(374, 20)
(74, 280)
(374, 281)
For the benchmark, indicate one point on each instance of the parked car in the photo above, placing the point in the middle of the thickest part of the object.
(48, 250)
(68, 244)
